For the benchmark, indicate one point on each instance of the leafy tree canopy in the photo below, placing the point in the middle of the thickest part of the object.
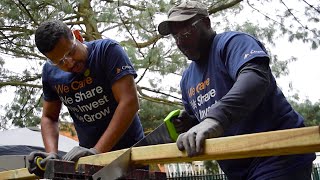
(134, 24)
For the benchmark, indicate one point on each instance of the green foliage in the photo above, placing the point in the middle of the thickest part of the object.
(264, 34)
(280, 67)
(25, 108)
(310, 111)
(133, 23)
(152, 114)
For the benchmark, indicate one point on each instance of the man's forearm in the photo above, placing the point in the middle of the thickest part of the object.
(50, 134)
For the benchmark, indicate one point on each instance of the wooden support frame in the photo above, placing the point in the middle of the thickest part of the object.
(282, 142)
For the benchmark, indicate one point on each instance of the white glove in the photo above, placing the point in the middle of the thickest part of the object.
(78, 152)
(193, 140)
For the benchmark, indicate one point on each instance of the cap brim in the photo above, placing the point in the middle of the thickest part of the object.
(163, 27)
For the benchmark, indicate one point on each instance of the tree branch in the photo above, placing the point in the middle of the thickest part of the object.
(15, 83)
(157, 100)
(311, 6)
(144, 44)
(121, 3)
(268, 17)
(160, 101)
(224, 6)
(22, 54)
(27, 12)
(158, 92)
(295, 18)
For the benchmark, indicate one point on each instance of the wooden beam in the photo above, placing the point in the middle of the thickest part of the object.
(285, 142)
(22, 174)
(102, 159)
(282, 142)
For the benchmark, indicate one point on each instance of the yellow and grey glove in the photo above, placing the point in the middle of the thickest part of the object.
(193, 140)
(77, 152)
(38, 161)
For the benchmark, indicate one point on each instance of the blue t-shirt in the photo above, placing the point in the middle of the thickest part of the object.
(88, 96)
(203, 85)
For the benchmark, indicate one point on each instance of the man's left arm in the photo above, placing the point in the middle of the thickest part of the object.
(125, 93)
(246, 94)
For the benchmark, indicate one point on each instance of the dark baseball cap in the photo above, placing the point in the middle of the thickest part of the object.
(182, 12)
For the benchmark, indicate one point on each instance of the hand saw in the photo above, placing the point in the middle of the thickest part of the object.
(165, 133)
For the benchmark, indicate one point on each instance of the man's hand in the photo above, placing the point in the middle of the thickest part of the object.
(193, 140)
(33, 167)
(78, 152)
(184, 122)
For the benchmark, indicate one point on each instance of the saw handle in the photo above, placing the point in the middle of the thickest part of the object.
(35, 167)
(171, 129)
(37, 161)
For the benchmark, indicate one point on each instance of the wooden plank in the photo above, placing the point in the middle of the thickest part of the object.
(22, 174)
(283, 142)
(101, 159)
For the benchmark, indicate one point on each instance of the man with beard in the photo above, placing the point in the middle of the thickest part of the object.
(95, 81)
(228, 90)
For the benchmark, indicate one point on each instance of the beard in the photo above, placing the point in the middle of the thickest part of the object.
(191, 52)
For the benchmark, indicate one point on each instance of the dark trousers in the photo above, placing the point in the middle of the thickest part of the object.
(298, 174)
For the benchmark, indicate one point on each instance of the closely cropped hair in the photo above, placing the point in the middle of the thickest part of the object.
(48, 34)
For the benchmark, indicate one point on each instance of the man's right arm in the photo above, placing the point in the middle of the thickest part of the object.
(50, 125)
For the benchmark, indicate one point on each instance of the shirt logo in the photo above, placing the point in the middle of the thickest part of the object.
(253, 52)
(200, 86)
(87, 72)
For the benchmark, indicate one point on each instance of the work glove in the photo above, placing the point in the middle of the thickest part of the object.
(78, 152)
(37, 168)
(184, 122)
(193, 140)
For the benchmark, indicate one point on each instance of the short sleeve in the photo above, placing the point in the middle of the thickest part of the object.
(241, 49)
(48, 93)
(117, 63)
